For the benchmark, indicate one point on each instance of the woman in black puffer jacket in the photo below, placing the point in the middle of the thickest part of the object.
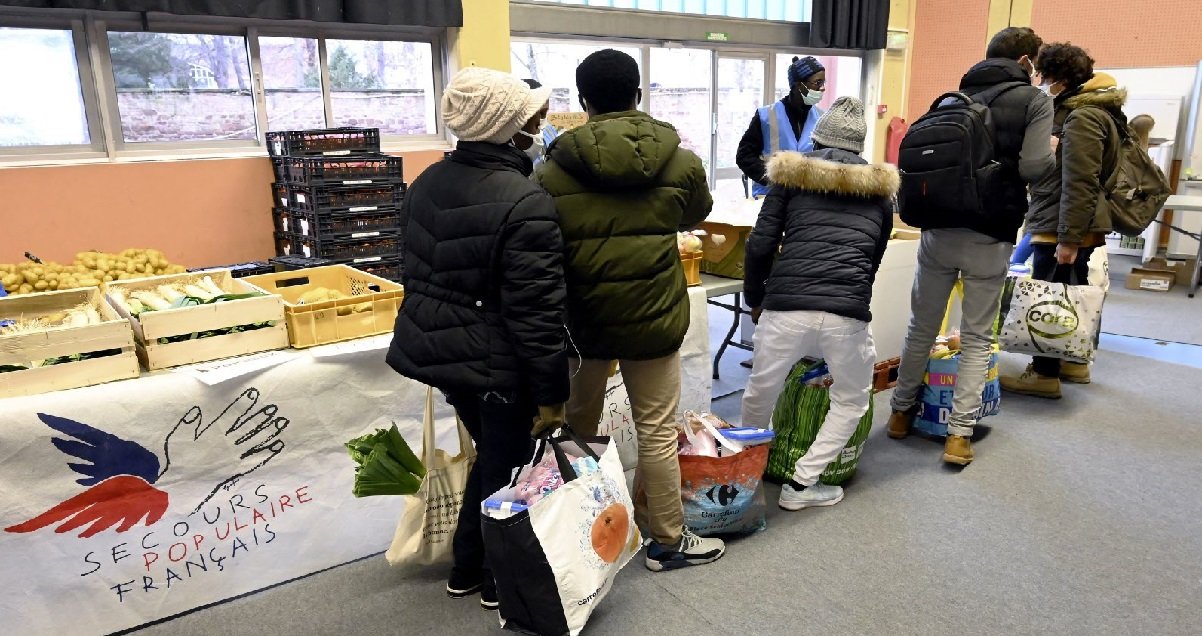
(484, 295)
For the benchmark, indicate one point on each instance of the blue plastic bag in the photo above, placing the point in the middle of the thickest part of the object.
(935, 406)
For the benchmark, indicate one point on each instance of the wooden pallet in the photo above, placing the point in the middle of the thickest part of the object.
(370, 308)
(150, 327)
(28, 349)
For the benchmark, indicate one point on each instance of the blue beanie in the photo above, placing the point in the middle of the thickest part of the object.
(803, 69)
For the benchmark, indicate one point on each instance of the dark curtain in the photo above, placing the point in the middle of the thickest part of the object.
(430, 13)
(849, 24)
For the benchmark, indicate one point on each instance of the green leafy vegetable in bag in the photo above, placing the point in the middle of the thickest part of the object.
(386, 464)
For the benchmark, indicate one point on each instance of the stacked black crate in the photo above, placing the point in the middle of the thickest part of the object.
(336, 197)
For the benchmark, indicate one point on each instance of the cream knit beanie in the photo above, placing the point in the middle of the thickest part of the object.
(486, 105)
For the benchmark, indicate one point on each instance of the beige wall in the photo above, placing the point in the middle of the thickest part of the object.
(199, 213)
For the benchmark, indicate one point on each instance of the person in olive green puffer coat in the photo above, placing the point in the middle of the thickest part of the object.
(623, 187)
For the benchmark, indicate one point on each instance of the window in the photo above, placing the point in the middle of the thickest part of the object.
(180, 87)
(385, 85)
(553, 64)
(788, 10)
(682, 95)
(292, 83)
(41, 103)
(103, 87)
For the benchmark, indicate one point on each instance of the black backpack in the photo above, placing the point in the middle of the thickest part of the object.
(950, 176)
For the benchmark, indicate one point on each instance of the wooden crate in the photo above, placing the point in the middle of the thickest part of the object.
(319, 323)
(54, 342)
(692, 268)
(151, 326)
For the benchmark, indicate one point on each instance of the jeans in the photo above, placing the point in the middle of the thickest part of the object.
(1045, 267)
(500, 426)
(981, 264)
(654, 390)
(784, 337)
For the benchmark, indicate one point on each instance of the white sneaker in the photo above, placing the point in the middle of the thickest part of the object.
(692, 550)
(819, 494)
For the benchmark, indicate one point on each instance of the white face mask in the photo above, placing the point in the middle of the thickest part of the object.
(812, 97)
(538, 146)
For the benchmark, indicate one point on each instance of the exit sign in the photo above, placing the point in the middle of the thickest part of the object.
(714, 36)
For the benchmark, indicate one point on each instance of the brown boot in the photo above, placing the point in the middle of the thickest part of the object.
(900, 423)
(957, 450)
(1031, 383)
(1075, 372)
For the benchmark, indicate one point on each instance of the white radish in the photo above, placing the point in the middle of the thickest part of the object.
(93, 315)
(208, 284)
(151, 300)
(170, 293)
(198, 292)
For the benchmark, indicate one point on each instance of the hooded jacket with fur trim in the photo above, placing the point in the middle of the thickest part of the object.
(1064, 205)
(821, 234)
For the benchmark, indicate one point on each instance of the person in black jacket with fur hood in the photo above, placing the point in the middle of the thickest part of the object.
(811, 261)
(483, 319)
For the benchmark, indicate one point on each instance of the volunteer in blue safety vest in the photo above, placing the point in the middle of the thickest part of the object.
(785, 125)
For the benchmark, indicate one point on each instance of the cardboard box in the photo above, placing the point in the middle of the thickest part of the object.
(725, 239)
(1182, 270)
(1150, 279)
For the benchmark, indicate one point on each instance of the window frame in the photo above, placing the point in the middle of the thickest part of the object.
(95, 148)
(768, 54)
(90, 30)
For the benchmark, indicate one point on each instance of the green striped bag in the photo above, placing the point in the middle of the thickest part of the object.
(798, 414)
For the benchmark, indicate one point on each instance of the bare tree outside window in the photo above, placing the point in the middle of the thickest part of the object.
(177, 87)
(382, 84)
(292, 83)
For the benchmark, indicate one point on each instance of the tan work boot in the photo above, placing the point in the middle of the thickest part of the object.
(900, 423)
(1075, 372)
(1031, 383)
(957, 450)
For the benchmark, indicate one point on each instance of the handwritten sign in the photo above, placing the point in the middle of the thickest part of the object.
(567, 121)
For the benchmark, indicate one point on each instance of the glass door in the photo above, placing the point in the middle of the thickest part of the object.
(740, 90)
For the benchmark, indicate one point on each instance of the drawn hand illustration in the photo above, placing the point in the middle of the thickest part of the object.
(238, 441)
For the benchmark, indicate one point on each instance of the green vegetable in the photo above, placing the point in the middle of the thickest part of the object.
(386, 464)
(380, 474)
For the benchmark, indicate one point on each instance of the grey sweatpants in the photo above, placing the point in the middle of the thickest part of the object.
(943, 257)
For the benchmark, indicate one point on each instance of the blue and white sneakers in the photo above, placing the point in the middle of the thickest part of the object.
(819, 494)
(692, 550)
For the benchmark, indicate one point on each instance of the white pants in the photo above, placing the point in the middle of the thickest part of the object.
(784, 337)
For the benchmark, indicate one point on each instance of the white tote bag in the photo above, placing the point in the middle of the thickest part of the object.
(1054, 320)
(555, 561)
(423, 536)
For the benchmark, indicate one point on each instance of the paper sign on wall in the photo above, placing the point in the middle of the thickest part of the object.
(567, 121)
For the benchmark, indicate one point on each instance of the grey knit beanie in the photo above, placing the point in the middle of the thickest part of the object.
(843, 126)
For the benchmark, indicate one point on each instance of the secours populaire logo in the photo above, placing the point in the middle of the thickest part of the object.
(127, 483)
(1051, 320)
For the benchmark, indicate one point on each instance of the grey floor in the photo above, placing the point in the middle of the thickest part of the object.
(1080, 516)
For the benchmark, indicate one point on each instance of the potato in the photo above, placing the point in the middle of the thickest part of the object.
(25, 288)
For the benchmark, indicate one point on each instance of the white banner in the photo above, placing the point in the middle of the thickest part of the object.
(130, 502)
